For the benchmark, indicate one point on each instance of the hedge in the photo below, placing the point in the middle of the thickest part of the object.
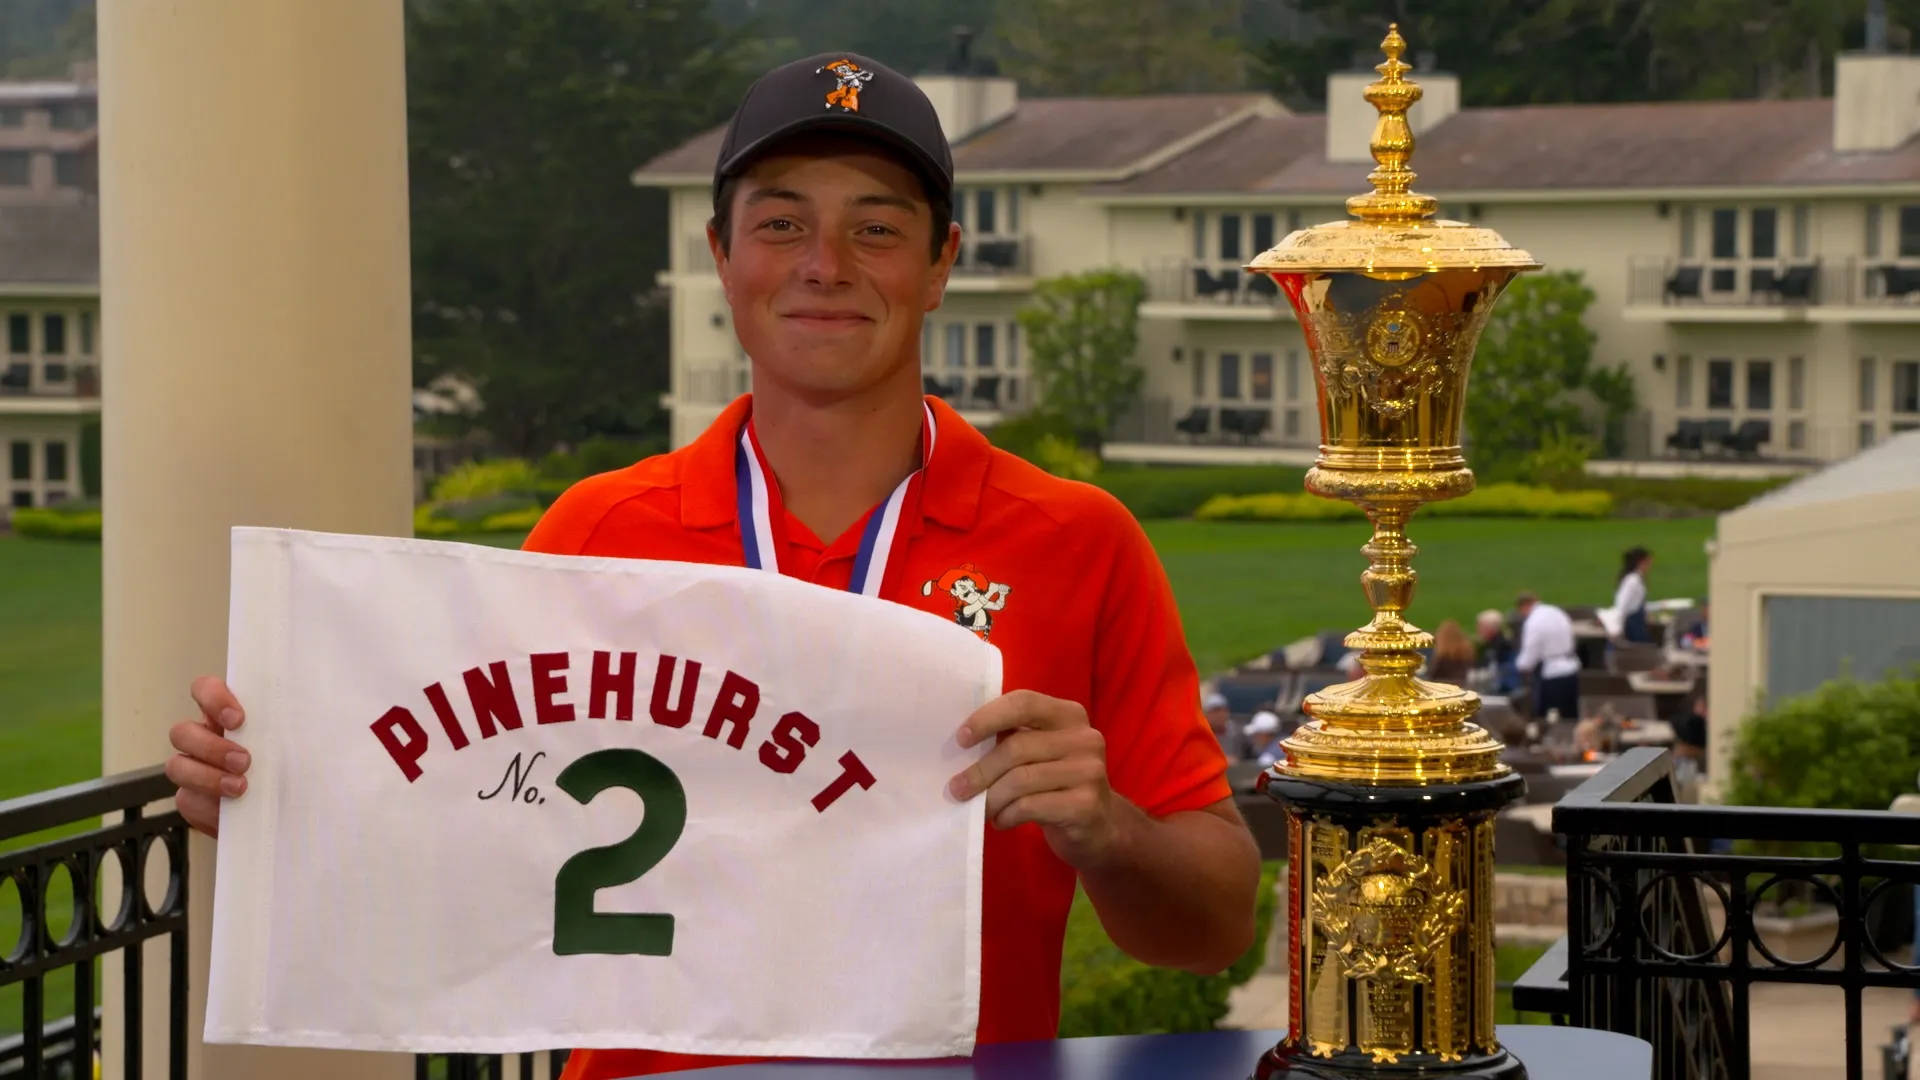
(1177, 491)
(1493, 500)
(52, 523)
(1103, 991)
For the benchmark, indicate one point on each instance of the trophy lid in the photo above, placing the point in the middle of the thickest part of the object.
(1393, 228)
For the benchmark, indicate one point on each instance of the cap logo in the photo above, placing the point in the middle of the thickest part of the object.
(848, 77)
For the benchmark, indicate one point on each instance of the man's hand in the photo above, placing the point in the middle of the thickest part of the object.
(1050, 768)
(209, 766)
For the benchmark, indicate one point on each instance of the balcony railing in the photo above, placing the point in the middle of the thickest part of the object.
(1846, 281)
(48, 378)
(712, 381)
(1157, 420)
(1668, 930)
(1186, 281)
(1005, 256)
(977, 391)
(105, 868)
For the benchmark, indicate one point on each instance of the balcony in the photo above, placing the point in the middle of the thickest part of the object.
(1846, 289)
(1189, 289)
(982, 397)
(993, 264)
(49, 385)
(712, 382)
(1159, 430)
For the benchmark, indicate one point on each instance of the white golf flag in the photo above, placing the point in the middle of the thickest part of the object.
(504, 801)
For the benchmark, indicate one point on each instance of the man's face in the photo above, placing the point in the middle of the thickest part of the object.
(828, 274)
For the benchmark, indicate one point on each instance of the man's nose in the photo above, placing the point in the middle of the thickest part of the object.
(828, 260)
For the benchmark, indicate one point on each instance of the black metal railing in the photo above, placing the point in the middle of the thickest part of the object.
(544, 1066)
(97, 925)
(1668, 929)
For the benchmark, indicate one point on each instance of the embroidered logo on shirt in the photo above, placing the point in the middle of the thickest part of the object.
(975, 599)
(849, 79)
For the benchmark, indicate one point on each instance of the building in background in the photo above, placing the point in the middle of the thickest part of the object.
(49, 286)
(1756, 264)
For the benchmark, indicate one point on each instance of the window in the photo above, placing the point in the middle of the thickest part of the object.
(1726, 244)
(1905, 386)
(72, 116)
(53, 335)
(1796, 434)
(1229, 376)
(1760, 385)
(19, 334)
(1763, 222)
(1683, 382)
(1873, 230)
(1013, 346)
(960, 207)
(1293, 374)
(1866, 434)
(1866, 384)
(1293, 220)
(70, 170)
(1013, 210)
(1262, 232)
(1199, 375)
(1686, 232)
(1796, 383)
(1199, 235)
(983, 344)
(22, 499)
(1800, 216)
(988, 221)
(56, 462)
(956, 345)
(16, 168)
(1293, 424)
(1260, 377)
(1719, 384)
(86, 333)
(1910, 230)
(21, 460)
(1229, 237)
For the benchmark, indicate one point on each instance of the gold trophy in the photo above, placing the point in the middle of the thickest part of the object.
(1390, 789)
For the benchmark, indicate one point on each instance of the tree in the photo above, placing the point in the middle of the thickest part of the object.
(42, 39)
(1081, 333)
(911, 36)
(534, 256)
(1534, 354)
(1093, 47)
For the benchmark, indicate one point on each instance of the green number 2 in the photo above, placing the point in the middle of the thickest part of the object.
(577, 928)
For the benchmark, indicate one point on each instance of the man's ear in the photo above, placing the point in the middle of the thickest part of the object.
(943, 268)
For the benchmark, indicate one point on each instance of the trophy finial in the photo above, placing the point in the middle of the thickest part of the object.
(1393, 198)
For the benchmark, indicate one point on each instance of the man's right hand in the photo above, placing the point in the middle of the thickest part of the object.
(209, 766)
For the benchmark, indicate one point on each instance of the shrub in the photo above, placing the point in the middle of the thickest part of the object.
(1643, 496)
(58, 523)
(512, 520)
(1560, 461)
(477, 479)
(1061, 457)
(1022, 435)
(1847, 745)
(598, 455)
(1106, 992)
(1178, 491)
(426, 525)
(1494, 500)
(468, 514)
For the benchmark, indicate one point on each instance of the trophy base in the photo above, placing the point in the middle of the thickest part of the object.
(1287, 1062)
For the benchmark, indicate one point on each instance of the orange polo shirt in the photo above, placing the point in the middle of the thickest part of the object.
(1089, 617)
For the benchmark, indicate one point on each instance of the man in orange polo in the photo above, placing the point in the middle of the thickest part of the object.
(833, 237)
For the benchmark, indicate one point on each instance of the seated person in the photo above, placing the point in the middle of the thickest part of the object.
(1263, 737)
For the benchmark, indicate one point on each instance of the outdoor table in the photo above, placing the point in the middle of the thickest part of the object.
(1549, 1053)
(1648, 733)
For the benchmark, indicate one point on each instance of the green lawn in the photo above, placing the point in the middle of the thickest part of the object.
(1242, 589)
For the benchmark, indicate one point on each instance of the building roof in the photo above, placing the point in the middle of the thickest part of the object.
(1552, 147)
(16, 93)
(1891, 467)
(50, 244)
(1086, 134)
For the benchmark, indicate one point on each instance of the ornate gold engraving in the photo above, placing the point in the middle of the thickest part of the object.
(1326, 986)
(1382, 912)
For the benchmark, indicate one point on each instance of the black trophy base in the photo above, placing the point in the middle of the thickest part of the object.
(1288, 1062)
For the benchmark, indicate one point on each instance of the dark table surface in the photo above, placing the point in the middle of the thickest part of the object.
(1549, 1053)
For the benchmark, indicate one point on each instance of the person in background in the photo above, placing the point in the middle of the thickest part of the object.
(1695, 637)
(1452, 654)
(1547, 654)
(1496, 651)
(1263, 737)
(1690, 734)
(1220, 719)
(1630, 595)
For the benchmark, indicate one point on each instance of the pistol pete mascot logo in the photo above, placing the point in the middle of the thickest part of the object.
(849, 77)
(975, 599)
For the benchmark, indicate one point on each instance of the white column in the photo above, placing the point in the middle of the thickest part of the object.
(254, 274)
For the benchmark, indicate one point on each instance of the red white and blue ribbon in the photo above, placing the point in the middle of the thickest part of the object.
(756, 514)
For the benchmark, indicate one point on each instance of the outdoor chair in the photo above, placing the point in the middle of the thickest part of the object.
(1686, 436)
(999, 254)
(1262, 287)
(1684, 284)
(1762, 284)
(1746, 441)
(986, 391)
(1196, 423)
(1900, 280)
(1798, 282)
(1206, 284)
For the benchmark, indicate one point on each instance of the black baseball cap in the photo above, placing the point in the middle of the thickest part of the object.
(838, 92)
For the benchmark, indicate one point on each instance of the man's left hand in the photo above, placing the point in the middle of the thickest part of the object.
(1049, 768)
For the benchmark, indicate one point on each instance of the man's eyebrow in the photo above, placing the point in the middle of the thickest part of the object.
(899, 202)
(769, 194)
